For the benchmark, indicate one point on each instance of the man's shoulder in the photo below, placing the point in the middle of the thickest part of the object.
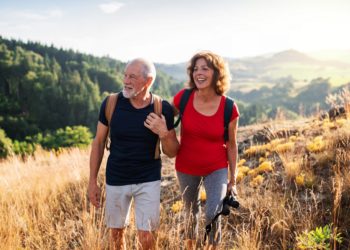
(166, 105)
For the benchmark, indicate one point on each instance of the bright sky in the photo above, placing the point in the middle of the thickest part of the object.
(171, 31)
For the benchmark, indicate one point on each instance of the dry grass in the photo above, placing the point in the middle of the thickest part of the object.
(43, 203)
(285, 187)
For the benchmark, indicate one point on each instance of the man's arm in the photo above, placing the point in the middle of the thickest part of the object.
(96, 155)
(170, 144)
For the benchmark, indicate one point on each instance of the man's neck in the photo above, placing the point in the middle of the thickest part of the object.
(141, 100)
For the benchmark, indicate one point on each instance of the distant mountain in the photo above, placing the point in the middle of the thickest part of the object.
(177, 71)
(266, 70)
(336, 55)
(287, 56)
(292, 56)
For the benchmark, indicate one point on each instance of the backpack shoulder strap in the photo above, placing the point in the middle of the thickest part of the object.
(183, 102)
(111, 103)
(110, 106)
(227, 115)
(157, 102)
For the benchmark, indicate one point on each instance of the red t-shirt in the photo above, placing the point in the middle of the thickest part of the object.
(202, 146)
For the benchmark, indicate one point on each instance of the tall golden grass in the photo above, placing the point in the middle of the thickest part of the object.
(43, 201)
(44, 205)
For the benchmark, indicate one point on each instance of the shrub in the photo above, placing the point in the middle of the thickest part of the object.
(23, 148)
(320, 238)
(5, 145)
(76, 136)
(257, 181)
(317, 145)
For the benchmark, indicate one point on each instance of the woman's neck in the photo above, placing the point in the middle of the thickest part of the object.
(206, 95)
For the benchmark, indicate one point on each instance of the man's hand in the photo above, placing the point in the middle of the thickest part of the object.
(94, 194)
(157, 125)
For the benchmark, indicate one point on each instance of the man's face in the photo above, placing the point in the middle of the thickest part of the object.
(134, 80)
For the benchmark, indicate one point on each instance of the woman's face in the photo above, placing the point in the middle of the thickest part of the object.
(202, 74)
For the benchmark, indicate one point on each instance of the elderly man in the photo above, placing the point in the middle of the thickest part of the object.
(133, 171)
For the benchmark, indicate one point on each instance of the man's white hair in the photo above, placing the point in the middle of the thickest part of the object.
(149, 70)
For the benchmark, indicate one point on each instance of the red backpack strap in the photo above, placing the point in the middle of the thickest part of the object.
(157, 102)
(111, 103)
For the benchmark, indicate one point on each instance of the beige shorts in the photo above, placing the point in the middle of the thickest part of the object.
(146, 198)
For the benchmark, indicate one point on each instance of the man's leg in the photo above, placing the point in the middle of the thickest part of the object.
(147, 239)
(118, 203)
(117, 241)
(147, 210)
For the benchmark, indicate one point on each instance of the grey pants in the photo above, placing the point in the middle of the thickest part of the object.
(215, 185)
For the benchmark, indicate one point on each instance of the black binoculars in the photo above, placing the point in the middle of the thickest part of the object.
(229, 201)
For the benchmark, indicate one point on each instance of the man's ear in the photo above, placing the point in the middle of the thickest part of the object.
(149, 81)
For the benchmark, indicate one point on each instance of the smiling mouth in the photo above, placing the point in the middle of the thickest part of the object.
(201, 80)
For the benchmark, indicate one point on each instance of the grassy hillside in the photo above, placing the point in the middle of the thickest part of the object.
(293, 177)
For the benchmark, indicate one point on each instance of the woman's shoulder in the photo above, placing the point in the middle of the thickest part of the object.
(179, 95)
(235, 111)
(181, 92)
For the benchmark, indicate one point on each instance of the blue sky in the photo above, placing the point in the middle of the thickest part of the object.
(172, 31)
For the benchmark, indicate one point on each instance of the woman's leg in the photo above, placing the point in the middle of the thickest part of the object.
(215, 185)
(189, 186)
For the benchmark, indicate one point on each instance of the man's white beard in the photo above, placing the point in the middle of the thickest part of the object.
(128, 93)
(131, 93)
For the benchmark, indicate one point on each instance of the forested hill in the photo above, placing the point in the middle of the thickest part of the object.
(43, 88)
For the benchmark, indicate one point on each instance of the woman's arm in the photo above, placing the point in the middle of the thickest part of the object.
(176, 111)
(232, 154)
(170, 144)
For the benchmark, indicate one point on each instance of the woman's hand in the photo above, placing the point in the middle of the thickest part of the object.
(231, 187)
(157, 125)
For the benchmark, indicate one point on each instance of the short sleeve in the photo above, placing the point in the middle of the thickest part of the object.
(177, 98)
(102, 116)
(168, 112)
(235, 112)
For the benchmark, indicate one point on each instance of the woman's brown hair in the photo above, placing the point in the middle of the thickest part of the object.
(221, 77)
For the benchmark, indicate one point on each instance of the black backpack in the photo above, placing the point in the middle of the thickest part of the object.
(227, 112)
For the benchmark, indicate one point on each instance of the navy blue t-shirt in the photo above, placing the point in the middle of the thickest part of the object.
(131, 159)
